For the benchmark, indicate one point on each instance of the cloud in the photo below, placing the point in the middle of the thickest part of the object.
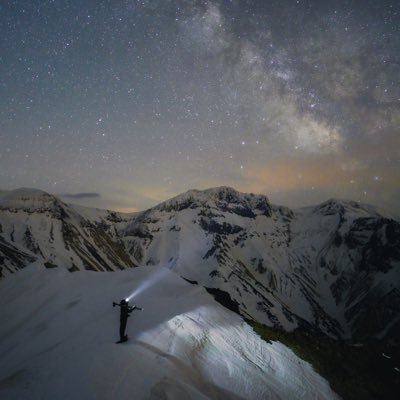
(88, 195)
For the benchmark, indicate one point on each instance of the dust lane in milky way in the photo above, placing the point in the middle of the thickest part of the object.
(122, 104)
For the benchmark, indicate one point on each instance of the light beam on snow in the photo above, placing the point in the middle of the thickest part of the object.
(149, 282)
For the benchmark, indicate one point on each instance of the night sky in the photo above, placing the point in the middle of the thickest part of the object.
(122, 104)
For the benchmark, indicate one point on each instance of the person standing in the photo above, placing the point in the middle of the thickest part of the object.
(126, 309)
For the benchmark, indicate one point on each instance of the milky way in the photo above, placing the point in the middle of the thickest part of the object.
(122, 104)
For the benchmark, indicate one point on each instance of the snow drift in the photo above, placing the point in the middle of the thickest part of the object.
(331, 269)
(58, 329)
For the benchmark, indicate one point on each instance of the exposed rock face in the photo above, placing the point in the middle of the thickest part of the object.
(333, 268)
(39, 226)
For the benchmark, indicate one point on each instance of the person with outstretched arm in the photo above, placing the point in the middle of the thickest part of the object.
(126, 309)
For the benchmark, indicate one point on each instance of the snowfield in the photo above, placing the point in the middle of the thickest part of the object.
(330, 269)
(58, 333)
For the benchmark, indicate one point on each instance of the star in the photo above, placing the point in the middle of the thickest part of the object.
(147, 87)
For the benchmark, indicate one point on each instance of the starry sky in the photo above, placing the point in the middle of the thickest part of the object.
(122, 104)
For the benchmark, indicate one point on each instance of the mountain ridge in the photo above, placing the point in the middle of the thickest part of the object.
(58, 342)
(27, 193)
(315, 268)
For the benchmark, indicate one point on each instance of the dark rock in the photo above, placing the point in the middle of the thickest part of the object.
(224, 298)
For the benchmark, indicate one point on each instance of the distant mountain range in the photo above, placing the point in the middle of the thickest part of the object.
(332, 269)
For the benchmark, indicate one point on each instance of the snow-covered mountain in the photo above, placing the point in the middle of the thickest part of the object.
(58, 329)
(333, 268)
(36, 225)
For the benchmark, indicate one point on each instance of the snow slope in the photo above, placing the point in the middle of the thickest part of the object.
(333, 268)
(329, 269)
(57, 333)
(35, 225)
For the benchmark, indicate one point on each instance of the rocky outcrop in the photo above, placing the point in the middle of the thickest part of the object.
(331, 269)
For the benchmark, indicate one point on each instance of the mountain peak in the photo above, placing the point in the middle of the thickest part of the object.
(340, 206)
(27, 199)
(223, 198)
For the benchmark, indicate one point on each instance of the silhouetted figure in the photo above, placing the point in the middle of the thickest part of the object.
(125, 311)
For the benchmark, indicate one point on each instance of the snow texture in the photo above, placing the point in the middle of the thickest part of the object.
(329, 269)
(58, 333)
